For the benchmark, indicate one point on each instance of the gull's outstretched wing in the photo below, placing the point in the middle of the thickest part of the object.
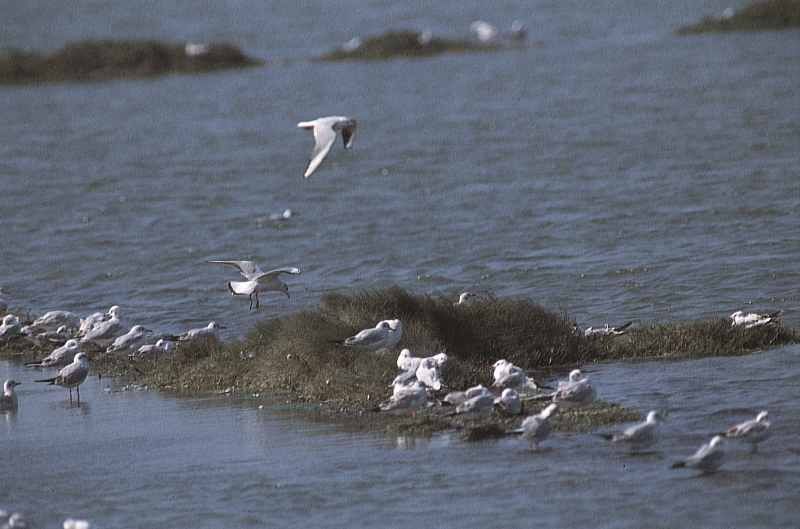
(248, 269)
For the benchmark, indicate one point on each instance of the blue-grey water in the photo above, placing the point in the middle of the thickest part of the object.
(610, 169)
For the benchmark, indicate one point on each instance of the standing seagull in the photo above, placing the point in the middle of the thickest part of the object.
(71, 376)
(537, 428)
(257, 281)
(324, 136)
(753, 431)
(8, 400)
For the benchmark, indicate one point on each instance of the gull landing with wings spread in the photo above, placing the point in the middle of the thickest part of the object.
(257, 281)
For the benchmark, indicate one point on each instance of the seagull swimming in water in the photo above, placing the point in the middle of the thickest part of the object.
(753, 431)
(8, 400)
(325, 135)
(748, 321)
(257, 281)
(708, 457)
(71, 376)
(639, 436)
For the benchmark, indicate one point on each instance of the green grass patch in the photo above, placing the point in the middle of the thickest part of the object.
(104, 60)
(759, 16)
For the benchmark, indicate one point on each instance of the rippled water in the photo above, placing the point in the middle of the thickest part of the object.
(146, 458)
(610, 169)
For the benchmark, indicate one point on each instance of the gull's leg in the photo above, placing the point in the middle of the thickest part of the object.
(251, 302)
(78, 391)
(256, 300)
(70, 395)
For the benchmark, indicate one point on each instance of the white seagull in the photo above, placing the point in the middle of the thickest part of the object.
(71, 376)
(537, 428)
(43, 338)
(89, 322)
(607, 330)
(410, 364)
(509, 402)
(11, 327)
(408, 400)
(753, 431)
(481, 403)
(639, 436)
(748, 321)
(257, 281)
(464, 298)
(129, 342)
(428, 373)
(484, 31)
(209, 331)
(574, 393)
(384, 336)
(325, 135)
(55, 319)
(8, 400)
(507, 375)
(105, 332)
(161, 348)
(62, 356)
(708, 457)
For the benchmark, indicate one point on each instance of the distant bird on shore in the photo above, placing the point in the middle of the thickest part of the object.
(607, 330)
(464, 298)
(104, 333)
(8, 400)
(639, 436)
(574, 393)
(484, 31)
(708, 457)
(383, 337)
(748, 321)
(257, 281)
(52, 320)
(324, 137)
(72, 376)
(538, 428)
(209, 331)
(508, 402)
(11, 327)
(752, 432)
(62, 356)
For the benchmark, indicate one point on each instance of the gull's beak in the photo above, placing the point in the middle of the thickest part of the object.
(17, 384)
(288, 296)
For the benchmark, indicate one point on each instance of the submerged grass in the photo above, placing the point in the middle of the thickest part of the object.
(759, 16)
(297, 355)
(109, 59)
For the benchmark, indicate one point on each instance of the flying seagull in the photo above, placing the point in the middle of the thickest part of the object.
(257, 281)
(324, 136)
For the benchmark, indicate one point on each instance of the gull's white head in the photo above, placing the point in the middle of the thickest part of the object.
(549, 410)
(9, 386)
(575, 375)
(10, 320)
(716, 440)
(114, 312)
(80, 357)
(762, 416)
(214, 325)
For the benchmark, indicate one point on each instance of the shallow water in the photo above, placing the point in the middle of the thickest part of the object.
(149, 458)
(610, 169)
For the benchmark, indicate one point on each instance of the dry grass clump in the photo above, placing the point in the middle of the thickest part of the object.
(405, 43)
(108, 59)
(770, 14)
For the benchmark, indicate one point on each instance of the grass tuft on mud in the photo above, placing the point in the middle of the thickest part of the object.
(759, 16)
(404, 43)
(298, 354)
(104, 60)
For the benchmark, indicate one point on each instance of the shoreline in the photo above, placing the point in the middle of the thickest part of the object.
(295, 358)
